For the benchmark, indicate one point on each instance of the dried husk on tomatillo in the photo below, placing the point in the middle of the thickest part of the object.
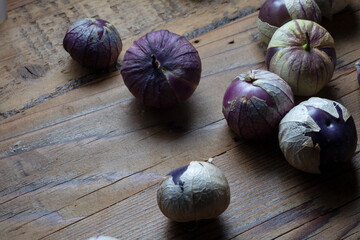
(94, 43)
(275, 13)
(255, 102)
(330, 7)
(197, 191)
(303, 54)
(318, 136)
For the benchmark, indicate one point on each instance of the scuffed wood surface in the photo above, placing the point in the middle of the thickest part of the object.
(84, 157)
(33, 63)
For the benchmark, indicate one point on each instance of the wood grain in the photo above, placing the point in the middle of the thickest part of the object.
(33, 34)
(13, 4)
(87, 161)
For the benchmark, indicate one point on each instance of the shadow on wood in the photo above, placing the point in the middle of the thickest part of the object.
(204, 229)
(177, 119)
(343, 27)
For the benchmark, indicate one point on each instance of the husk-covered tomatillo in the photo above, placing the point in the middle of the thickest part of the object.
(275, 13)
(318, 136)
(94, 43)
(197, 191)
(303, 54)
(255, 102)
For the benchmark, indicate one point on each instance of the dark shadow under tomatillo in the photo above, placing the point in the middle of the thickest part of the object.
(332, 191)
(178, 119)
(264, 155)
(74, 67)
(203, 229)
(321, 196)
(79, 76)
(344, 25)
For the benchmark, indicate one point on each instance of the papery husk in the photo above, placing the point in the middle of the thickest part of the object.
(299, 149)
(304, 9)
(257, 116)
(205, 194)
(265, 30)
(278, 89)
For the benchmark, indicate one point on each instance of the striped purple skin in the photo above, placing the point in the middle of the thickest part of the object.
(297, 40)
(274, 12)
(271, 52)
(161, 69)
(337, 139)
(357, 66)
(303, 54)
(250, 111)
(94, 43)
(331, 53)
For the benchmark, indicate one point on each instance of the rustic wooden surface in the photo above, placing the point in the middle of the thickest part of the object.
(80, 157)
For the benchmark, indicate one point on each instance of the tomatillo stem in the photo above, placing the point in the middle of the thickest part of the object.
(250, 77)
(306, 46)
(155, 62)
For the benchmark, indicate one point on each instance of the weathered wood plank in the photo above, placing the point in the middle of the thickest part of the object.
(341, 223)
(84, 161)
(13, 4)
(39, 29)
(88, 161)
(114, 87)
(269, 199)
(66, 215)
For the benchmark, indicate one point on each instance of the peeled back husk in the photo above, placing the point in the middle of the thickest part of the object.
(311, 120)
(255, 102)
(301, 9)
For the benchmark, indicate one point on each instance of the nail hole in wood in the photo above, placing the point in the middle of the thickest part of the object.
(231, 42)
(196, 41)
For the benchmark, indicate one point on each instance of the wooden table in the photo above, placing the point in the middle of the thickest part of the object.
(80, 157)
